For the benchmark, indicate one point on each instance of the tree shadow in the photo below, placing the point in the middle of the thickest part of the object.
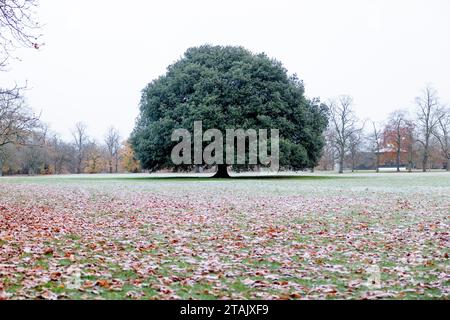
(234, 178)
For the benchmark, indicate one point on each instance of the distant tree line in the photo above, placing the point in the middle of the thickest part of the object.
(416, 139)
(36, 151)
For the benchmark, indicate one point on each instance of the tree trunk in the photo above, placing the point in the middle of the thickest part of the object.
(425, 155)
(398, 159)
(222, 172)
(425, 162)
(1, 167)
(448, 165)
(341, 162)
(378, 162)
(410, 164)
(79, 166)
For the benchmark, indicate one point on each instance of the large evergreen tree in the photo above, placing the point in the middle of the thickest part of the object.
(228, 88)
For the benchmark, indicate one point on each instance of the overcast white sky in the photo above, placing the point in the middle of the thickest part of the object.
(99, 54)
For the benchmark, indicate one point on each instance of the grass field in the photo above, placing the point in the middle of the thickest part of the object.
(297, 237)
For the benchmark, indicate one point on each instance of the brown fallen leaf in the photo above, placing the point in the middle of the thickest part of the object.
(55, 276)
(295, 295)
(48, 251)
(48, 295)
(103, 283)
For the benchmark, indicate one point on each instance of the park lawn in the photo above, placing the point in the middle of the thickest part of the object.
(361, 236)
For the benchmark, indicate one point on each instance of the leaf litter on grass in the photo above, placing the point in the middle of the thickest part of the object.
(219, 240)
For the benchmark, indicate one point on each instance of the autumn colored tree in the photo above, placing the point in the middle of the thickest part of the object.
(95, 158)
(397, 136)
(128, 159)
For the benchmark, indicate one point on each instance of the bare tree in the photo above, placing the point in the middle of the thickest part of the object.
(354, 147)
(376, 141)
(33, 155)
(60, 153)
(428, 119)
(328, 160)
(442, 134)
(18, 27)
(8, 157)
(17, 121)
(112, 142)
(411, 143)
(397, 122)
(344, 124)
(81, 141)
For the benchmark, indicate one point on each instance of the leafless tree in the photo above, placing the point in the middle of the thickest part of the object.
(18, 27)
(428, 119)
(376, 141)
(60, 153)
(33, 156)
(112, 142)
(344, 124)
(81, 141)
(8, 157)
(442, 134)
(17, 121)
(354, 147)
(329, 157)
(411, 139)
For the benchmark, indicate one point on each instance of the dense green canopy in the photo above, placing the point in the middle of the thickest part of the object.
(228, 88)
